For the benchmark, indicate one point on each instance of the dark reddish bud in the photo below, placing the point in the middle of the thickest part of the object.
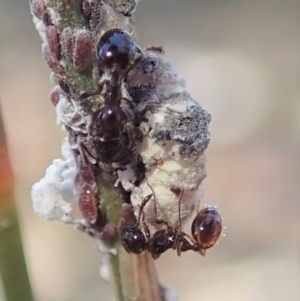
(127, 214)
(52, 61)
(87, 189)
(38, 8)
(88, 204)
(46, 18)
(67, 43)
(82, 50)
(53, 40)
(55, 95)
(86, 176)
(108, 233)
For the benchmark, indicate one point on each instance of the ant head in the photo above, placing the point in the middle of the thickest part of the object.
(133, 240)
(117, 50)
(207, 227)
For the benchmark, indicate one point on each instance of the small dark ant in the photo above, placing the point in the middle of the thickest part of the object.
(206, 229)
(111, 130)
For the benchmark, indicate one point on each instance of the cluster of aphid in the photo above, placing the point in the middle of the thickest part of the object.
(111, 134)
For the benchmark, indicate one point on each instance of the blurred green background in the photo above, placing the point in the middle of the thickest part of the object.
(241, 60)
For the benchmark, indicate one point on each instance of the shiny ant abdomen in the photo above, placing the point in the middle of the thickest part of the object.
(111, 137)
(206, 229)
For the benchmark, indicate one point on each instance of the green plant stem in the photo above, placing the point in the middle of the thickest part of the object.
(135, 276)
(112, 206)
(13, 271)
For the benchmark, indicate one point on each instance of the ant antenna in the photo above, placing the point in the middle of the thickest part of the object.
(143, 204)
(158, 221)
(179, 208)
(146, 229)
(154, 200)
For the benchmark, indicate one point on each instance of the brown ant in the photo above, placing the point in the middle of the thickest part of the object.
(206, 229)
(111, 130)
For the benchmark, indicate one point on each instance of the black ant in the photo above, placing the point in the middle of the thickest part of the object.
(206, 229)
(111, 130)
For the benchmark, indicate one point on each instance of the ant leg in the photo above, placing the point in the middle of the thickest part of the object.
(142, 206)
(202, 251)
(187, 245)
(129, 102)
(179, 248)
(133, 108)
(198, 206)
(101, 85)
(69, 89)
(178, 228)
(131, 137)
(188, 236)
(180, 239)
(95, 116)
(129, 129)
(158, 221)
(87, 154)
(97, 92)
(146, 228)
(179, 209)
(66, 87)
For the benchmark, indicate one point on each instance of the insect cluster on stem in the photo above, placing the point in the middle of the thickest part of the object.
(101, 131)
(135, 118)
